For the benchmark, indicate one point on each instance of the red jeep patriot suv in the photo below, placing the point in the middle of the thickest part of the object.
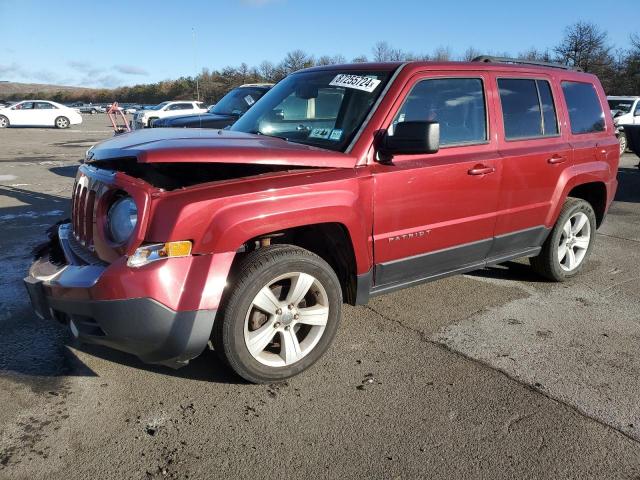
(342, 182)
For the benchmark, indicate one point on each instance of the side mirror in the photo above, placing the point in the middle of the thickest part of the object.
(412, 138)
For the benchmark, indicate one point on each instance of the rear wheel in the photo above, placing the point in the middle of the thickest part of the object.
(280, 316)
(151, 120)
(4, 121)
(62, 122)
(622, 140)
(569, 244)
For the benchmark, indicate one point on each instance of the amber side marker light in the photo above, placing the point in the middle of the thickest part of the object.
(159, 251)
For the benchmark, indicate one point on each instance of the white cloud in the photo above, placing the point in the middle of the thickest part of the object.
(130, 70)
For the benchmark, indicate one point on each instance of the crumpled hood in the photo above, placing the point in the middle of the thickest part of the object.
(192, 145)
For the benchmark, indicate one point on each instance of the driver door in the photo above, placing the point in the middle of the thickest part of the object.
(22, 114)
(435, 214)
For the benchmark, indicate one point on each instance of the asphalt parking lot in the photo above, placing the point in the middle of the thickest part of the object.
(494, 374)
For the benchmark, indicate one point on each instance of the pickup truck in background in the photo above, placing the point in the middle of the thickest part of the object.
(145, 118)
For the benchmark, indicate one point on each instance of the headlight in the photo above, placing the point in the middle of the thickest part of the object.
(122, 219)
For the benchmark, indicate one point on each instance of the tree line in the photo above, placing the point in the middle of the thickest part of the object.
(583, 45)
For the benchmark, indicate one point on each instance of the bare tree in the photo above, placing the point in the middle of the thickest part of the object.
(442, 54)
(360, 59)
(268, 71)
(328, 60)
(296, 60)
(536, 55)
(382, 52)
(586, 46)
(470, 53)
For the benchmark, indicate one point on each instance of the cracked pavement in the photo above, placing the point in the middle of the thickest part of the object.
(494, 374)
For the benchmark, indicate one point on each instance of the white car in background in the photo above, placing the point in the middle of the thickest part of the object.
(143, 118)
(39, 113)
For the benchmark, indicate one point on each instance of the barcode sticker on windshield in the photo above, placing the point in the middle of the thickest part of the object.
(249, 99)
(366, 84)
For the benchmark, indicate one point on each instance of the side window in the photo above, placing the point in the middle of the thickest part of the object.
(637, 112)
(44, 106)
(585, 111)
(527, 108)
(458, 104)
(24, 106)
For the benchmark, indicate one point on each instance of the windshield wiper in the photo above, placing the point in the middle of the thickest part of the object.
(258, 132)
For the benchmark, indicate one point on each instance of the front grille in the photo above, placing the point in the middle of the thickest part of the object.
(83, 210)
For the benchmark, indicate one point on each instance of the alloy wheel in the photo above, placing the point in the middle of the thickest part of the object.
(286, 319)
(574, 241)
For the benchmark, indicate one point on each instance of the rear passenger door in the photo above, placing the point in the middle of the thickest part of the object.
(534, 153)
(435, 213)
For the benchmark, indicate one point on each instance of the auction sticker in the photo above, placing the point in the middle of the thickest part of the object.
(249, 99)
(366, 84)
(320, 133)
(336, 134)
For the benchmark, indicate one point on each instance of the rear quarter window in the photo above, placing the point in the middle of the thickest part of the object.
(585, 111)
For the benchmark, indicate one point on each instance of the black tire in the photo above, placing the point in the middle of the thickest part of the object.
(93, 111)
(547, 263)
(62, 122)
(150, 121)
(252, 273)
(4, 122)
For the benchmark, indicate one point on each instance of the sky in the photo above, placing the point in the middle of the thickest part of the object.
(109, 43)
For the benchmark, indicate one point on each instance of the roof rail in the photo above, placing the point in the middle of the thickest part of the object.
(489, 59)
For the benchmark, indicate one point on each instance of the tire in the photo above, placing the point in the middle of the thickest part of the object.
(93, 111)
(622, 140)
(4, 122)
(574, 234)
(62, 122)
(275, 270)
(150, 121)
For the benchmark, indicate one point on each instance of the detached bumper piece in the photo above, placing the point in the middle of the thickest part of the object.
(140, 326)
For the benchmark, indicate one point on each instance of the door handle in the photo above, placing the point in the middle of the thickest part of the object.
(557, 159)
(481, 170)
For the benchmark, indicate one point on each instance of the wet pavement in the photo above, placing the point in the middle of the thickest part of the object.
(495, 374)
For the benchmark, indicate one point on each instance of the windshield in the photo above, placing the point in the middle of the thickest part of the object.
(237, 101)
(321, 108)
(159, 106)
(623, 106)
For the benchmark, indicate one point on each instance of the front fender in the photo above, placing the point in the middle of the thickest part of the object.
(221, 219)
(234, 225)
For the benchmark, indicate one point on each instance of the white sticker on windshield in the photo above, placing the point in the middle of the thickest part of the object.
(249, 99)
(336, 134)
(320, 133)
(366, 84)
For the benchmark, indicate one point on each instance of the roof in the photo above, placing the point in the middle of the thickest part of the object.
(431, 65)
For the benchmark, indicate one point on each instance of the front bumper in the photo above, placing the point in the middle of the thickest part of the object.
(141, 326)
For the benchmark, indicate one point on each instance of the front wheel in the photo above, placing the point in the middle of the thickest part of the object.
(569, 244)
(281, 314)
(62, 122)
(4, 121)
